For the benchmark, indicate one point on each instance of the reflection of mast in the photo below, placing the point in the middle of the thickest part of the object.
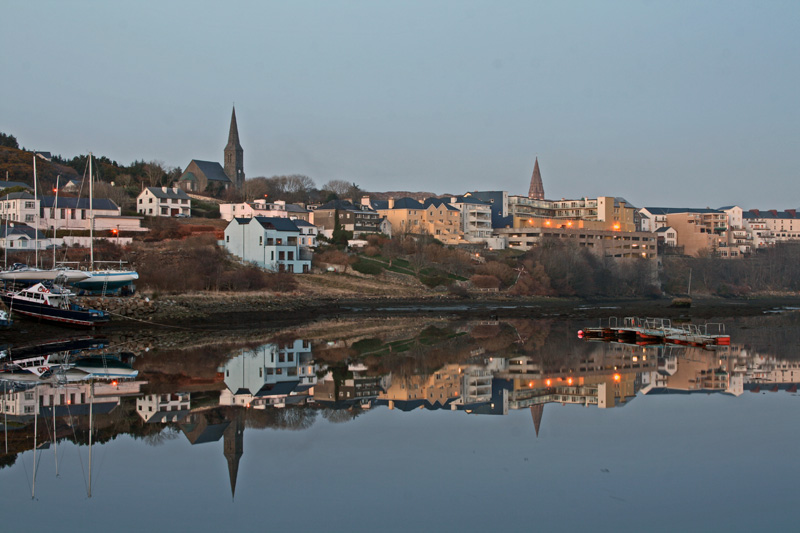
(233, 447)
(537, 411)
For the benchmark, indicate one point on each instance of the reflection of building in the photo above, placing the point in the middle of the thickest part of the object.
(211, 425)
(345, 388)
(272, 374)
(164, 408)
(71, 399)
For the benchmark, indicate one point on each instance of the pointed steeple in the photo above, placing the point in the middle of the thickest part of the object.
(233, 446)
(536, 191)
(537, 411)
(234, 155)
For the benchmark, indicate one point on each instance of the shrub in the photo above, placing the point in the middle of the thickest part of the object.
(368, 267)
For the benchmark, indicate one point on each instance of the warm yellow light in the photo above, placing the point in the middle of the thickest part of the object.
(530, 384)
(547, 223)
(569, 224)
(547, 382)
(617, 377)
(569, 381)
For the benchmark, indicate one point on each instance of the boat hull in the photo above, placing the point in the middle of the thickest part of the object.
(73, 316)
(33, 275)
(109, 281)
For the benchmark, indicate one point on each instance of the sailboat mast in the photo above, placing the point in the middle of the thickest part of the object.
(91, 217)
(35, 434)
(91, 420)
(55, 226)
(36, 216)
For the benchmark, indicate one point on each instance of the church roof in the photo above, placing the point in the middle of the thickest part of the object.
(233, 134)
(212, 170)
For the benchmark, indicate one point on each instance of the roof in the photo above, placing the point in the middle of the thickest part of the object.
(470, 200)
(19, 196)
(675, 210)
(103, 204)
(663, 229)
(756, 213)
(9, 184)
(159, 192)
(402, 203)
(276, 223)
(294, 208)
(212, 170)
(19, 229)
(282, 388)
(300, 223)
(438, 202)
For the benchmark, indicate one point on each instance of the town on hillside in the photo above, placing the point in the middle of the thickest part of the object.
(278, 224)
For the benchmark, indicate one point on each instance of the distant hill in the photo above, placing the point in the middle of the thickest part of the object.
(19, 165)
(406, 194)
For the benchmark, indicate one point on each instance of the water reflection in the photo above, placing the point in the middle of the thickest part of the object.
(339, 371)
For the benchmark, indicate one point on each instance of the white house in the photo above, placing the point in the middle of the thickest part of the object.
(163, 202)
(19, 207)
(66, 214)
(271, 243)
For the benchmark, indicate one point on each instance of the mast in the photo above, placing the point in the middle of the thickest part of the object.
(36, 217)
(55, 226)
(35, 433)
(55, 435)
(91, 219)
(91, 420)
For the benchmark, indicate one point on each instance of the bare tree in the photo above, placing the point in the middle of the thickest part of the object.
(154, 172)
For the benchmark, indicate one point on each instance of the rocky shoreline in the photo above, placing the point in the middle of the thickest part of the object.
(222, 314)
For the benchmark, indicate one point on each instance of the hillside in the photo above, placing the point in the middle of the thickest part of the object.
(19, 165)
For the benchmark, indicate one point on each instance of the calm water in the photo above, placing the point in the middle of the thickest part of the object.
(403, 424)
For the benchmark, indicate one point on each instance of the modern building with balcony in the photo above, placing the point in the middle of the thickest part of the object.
(271, 243)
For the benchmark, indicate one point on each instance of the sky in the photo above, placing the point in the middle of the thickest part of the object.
(665, 103)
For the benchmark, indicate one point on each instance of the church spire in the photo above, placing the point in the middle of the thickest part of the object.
(536, 191)
(536, 412)
(234, 155)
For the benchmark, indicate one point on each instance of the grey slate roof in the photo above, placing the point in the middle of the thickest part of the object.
(300, 223)
(276, 223)
(158, 192)
(9, 184)
(19, 229)
(18, 196)
(103, 204)
(212, 170)
(438, 202)
(294, 208)
(756, 213)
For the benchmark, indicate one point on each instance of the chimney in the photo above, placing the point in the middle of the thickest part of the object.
(365, 201)
(391, 203)
(163, 189)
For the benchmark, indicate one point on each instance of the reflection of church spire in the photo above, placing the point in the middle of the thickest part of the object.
(537, 411)
(233, 446)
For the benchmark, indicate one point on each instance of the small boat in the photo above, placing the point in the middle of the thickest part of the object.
(105, 280)
(22, 273)
(52, 304)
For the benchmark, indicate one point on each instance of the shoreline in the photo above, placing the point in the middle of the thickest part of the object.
(230, 312)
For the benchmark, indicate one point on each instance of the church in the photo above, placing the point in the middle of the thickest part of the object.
(211, 177)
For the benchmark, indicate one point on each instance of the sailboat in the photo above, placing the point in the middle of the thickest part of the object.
(21, 273)
(101, 280)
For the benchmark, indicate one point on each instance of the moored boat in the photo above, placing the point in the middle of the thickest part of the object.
(52, 304)
(21, 273)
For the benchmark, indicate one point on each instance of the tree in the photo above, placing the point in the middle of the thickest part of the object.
(338, 187)
(8, 141)
(154, 172)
